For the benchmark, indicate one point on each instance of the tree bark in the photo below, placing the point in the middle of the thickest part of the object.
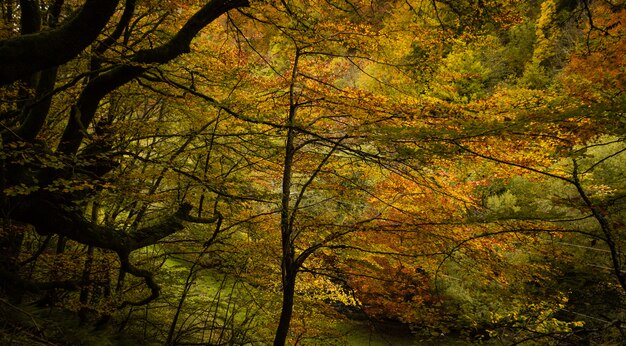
(35, 112)
(84, 111)
(51, 215)
(21, 56)
(289, 267)
(30, 19)
(289, 290)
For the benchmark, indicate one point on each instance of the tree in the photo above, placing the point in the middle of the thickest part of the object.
(556, 147)
(44, 187)
(408, 159)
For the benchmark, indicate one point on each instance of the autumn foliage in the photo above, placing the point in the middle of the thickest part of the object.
(249, 172)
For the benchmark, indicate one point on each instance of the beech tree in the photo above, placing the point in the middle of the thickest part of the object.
(38, 180)
(420, 162)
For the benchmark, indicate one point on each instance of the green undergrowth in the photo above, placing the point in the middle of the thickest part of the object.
(30, 325)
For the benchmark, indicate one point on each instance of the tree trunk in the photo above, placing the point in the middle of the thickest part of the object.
(85, 290)
(289, 267)
(289, 289)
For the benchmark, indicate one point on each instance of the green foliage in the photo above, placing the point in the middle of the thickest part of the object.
(31, 325)
(453, 167)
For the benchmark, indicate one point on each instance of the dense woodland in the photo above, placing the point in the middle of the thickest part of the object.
(312, 172)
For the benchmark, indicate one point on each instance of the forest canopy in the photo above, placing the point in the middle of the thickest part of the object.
(313, 172)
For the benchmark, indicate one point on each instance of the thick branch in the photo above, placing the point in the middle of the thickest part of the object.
(50, 216)
(24, 55)
(148, 277)
(100, 86)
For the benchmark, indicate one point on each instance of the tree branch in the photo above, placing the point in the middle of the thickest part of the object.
(49, 215)
(100, 86)
(24, 55)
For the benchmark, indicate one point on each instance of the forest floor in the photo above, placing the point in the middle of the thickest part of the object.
(28, 325)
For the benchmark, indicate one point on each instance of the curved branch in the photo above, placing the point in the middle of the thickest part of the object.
(51, 216)
(148, 277)
(511, 163)
(100, 86)
(24, 55)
